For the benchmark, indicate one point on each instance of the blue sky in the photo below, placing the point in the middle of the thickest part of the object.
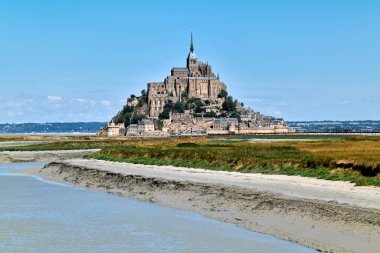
(76, 60)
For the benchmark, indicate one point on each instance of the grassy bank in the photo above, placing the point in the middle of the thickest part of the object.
(351, 159)
(355, 159)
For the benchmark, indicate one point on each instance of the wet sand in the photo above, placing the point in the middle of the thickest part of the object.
(42, 156)
(21, 143)
(325, 215)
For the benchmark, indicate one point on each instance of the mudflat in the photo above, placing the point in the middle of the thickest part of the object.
(326, 215)
(42, 156)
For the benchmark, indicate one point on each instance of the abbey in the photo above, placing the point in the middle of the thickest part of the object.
(190, 101)
(195, 80)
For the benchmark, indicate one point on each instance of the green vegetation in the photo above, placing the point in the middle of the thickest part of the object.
(223, 94)
(131, 114)
(193, 103)
(332, 160)
(179, 107)
(165, 114)
(197, 105)
(211, 114)
(355, 159)
(144, 96)
(229, 104)
(187, 145)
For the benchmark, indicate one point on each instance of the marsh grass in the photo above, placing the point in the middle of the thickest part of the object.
(354, 159)
(358, 161)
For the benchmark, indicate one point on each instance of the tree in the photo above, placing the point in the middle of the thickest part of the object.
(165, 114)
(179, 107)
(235, 115)
(167, 108)
(207, 102)
(193, 102)
(169, 104)
(127, 108)
(184, 95)
(136, 118)
(211, 114)
(127, 120)
(124, 115)
(144, 96)
(229, 105)
(198, 109)
(223, 94)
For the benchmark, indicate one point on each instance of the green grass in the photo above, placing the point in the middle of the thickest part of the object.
(320, 173)
(287, 159)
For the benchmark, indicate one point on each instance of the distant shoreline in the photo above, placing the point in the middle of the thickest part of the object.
(50, 134)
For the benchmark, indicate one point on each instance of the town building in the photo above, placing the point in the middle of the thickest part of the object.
(143, 127)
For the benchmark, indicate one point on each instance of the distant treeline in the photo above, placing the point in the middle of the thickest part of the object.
(71, 127)
(368, 126)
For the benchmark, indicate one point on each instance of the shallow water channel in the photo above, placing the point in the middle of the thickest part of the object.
(42, 216)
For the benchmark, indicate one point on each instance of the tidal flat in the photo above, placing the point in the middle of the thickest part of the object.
(277, 188)
(37, 215)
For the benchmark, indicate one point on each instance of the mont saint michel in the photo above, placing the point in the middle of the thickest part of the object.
(192, 100)
(123, 131)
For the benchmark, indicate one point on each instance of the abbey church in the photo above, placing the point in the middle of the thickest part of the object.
(195, 80)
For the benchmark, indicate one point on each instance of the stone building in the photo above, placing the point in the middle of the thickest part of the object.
(132, 129)
(224, 123)
(145, 126)
(115, 129)
(195, 80)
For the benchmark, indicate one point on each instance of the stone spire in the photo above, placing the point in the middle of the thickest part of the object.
(191, 43)
(191, 58)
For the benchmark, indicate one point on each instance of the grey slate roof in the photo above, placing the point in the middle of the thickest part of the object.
(179, 69)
